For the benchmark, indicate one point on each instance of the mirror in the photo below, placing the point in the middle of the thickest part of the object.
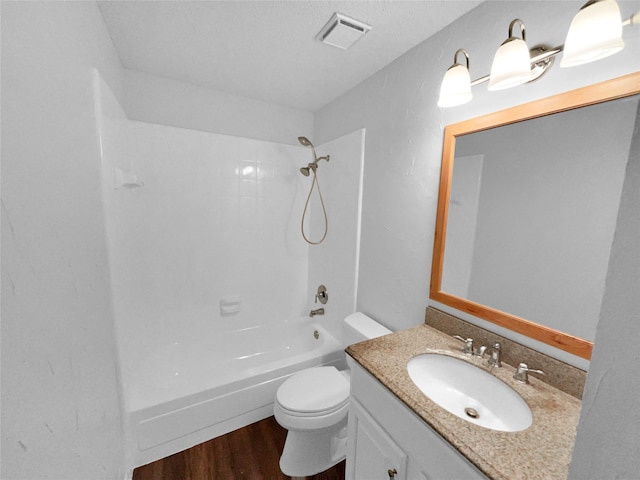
(527, 210)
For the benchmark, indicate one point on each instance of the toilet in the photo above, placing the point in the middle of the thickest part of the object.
(313, 405)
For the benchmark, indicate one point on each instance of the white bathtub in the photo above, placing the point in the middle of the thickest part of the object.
(188, 392)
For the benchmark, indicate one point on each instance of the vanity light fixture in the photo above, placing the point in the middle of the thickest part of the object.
(456, 84)
(512, 64)
(595, 32)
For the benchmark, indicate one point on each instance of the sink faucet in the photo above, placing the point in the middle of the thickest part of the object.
(317, 311)
(495, 360)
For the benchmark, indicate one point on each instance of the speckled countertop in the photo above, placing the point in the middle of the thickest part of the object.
(543, 451)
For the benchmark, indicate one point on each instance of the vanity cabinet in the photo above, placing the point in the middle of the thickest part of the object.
(388, 441)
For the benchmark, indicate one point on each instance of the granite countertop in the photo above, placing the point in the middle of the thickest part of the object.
(543, 451)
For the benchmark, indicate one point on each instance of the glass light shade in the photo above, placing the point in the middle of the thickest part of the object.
(511, 65)
(595, 32)
(456, 87)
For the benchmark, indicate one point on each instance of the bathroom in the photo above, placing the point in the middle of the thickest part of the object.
(61, 414)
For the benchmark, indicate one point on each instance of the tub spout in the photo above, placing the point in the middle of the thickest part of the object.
(317, 311)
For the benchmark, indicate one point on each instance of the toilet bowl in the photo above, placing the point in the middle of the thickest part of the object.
(313, 405)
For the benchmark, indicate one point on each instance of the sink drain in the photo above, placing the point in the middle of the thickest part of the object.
(471, 412)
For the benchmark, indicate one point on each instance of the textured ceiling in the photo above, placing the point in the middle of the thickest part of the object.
(266, 49)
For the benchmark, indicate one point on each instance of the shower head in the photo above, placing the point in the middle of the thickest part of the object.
(305, 141)
(313, 165)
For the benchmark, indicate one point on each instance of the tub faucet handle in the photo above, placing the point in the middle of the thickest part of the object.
(322, 295)
(468, 344)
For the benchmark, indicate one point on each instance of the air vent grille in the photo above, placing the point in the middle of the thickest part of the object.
(342, 31)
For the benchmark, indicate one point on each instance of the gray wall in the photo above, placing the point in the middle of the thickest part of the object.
(177, 104)
(60, 405)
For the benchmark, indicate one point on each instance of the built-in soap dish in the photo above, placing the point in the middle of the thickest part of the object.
(126, 179)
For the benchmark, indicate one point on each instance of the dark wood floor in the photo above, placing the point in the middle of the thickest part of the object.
(249, 453)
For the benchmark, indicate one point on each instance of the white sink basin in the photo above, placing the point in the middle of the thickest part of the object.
(469, 392)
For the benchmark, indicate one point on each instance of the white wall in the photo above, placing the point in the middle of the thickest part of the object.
(404, 126)
(169, 102)
(397, 106)
(60, 406)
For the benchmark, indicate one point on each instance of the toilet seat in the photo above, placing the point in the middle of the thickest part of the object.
(314, 392)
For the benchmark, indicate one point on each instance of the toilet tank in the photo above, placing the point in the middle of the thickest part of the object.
(358, 328)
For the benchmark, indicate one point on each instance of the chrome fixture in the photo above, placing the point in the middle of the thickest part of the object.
(468, 344)
(468, 347)
(312, 167)
(322, 296)
(522, 374)
(595, 33)
(495, 360)
(317, 311)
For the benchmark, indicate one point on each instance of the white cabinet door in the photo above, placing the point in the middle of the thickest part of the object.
(372, 453)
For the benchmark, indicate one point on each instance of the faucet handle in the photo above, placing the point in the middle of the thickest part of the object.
(322, 295)
(468, 344)
(522, 373)
(495, 360)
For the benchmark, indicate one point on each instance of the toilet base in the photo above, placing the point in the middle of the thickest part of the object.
(308, 453)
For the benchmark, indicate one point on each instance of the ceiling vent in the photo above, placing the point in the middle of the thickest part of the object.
(342, 31)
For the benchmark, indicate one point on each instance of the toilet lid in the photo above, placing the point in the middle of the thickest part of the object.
(313, 390)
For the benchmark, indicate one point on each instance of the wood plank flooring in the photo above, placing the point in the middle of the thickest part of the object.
(250, 453)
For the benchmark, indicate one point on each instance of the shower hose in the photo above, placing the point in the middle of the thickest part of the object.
(324, 211)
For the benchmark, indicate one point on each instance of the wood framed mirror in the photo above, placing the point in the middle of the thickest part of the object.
(456, 275)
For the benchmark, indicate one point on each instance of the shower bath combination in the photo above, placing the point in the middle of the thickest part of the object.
(311, 168)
